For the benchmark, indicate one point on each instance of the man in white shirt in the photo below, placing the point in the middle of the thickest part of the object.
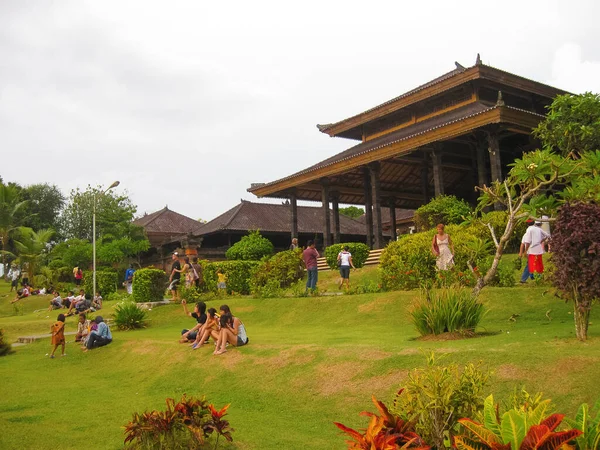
(534, 240)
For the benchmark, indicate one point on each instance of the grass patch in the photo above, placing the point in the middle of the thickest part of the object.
(310, 361)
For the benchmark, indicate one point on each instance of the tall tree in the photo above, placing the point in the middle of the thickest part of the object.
(45, 203)
(114, 214)
(11, 207)
(352, 211)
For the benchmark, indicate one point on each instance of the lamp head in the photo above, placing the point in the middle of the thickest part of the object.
(115, 184)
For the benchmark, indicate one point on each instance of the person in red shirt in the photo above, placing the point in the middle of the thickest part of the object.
(310, 255)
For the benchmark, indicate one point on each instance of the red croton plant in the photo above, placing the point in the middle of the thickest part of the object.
(384, 432)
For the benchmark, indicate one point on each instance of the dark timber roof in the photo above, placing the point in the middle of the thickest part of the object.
(276, 219)
(467, 111)
(168, 222)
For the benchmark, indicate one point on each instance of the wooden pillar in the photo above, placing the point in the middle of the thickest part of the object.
(495, 162)
(375, 169)
(335, 203)
(368, 207)
(438, 178)
(494, 151)
(425, 176)
(393, 218)
(294, 213)
(326, 216)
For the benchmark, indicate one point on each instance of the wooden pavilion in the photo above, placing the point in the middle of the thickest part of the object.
(446, 136)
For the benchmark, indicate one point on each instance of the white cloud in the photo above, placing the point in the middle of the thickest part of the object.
(572, 72)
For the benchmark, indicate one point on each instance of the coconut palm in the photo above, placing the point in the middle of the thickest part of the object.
(31, 246)
(10, 207)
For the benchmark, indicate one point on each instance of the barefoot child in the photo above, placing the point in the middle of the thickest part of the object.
(58, 334)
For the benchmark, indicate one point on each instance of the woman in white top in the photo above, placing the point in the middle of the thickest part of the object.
(345, 262)
(440, 247)
(232, 331)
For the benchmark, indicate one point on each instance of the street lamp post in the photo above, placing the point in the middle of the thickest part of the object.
(115, 184)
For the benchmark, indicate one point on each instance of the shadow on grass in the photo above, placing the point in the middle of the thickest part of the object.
(455, 336)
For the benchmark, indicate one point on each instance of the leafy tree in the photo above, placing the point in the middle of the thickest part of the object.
(352, 211)
(11, 207)
(31, 246)
(252, 247)
(114, 214)
(44, 204)
(572, 124)
(576, 255)
(570, 136)
(71, 253)
(446, 209)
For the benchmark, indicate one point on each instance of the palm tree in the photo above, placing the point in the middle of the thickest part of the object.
(10, 206)
(31, 245)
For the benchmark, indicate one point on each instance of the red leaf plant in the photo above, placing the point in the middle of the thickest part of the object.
(385, 431)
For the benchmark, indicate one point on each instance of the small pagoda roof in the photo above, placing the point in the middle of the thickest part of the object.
(168, 222)
(275, 218)
(350, 127)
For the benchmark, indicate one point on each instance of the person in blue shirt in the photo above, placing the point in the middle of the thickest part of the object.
(129, 279)
(100, 337)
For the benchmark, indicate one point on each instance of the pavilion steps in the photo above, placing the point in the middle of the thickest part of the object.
(372, 260)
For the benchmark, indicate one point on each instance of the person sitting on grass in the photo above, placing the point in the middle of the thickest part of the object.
(56, 302)
(212, 324)
(58, 334)
(96, 303)
(199, 314)
(232, 331)
(75, 301)
(21, 294)
(85, 305)
(100, 337)
(83, 328)
(69, 299)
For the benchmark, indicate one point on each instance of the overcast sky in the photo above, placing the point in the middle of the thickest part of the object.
(188, 102)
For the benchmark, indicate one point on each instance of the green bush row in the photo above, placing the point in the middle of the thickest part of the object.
(149, 285)
(106, 281)
(278, 272)
(238, 275)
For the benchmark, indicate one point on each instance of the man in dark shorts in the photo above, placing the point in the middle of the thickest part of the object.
(309, 256)
(175, 276)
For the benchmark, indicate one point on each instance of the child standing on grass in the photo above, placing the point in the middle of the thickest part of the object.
(221, 281)
(58, 334)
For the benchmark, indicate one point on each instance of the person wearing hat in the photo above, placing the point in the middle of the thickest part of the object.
(100, 337)
(525, 275)
(175, 276)
(532, 244)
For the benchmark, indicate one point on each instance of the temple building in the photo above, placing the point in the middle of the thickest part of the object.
(446, 136)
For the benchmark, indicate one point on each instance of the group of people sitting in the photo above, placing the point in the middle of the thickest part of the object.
(82, 303)
(223, 327)
(26, 291)
(90, 333)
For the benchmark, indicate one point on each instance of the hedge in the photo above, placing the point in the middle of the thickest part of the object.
(149, 285)
(280, 271)
(106, 282)
(238, 275)
(252, 247)
(359, 251)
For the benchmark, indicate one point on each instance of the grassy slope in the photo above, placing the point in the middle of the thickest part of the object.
(310, 361)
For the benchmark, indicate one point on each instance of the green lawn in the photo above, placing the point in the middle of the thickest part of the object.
(310, 361)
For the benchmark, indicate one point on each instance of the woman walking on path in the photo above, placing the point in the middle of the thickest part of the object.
(440, 247)
(345, 262)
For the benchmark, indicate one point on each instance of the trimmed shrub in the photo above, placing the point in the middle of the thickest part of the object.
(446, 209)
(149, 285)
(129, 316)
(280, 271)
(106, 281)
(238, 275)
(409, 263)
(252, 247)
(359, 251)
(497, 219)
(446, 311)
